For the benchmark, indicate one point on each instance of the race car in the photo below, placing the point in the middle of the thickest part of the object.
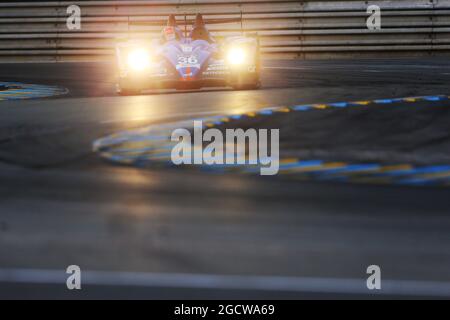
(183, 62)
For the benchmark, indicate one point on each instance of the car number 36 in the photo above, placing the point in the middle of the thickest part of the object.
(187, 60)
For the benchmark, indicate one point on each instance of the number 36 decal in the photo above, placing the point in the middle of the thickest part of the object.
(187, 60)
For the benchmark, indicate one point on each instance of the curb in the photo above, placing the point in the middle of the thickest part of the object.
(152, 146)
(21, 91)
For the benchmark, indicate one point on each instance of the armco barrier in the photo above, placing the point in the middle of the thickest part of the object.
(32, 30)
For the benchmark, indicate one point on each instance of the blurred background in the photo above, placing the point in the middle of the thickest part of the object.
(163, 233)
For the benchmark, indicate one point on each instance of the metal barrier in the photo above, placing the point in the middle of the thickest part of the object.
(31, 30)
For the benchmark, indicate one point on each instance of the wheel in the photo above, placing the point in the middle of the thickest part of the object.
(126, 88)
(246, 82)
(254, 86)
(129, 92)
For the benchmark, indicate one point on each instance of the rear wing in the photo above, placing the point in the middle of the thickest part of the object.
(185, 21)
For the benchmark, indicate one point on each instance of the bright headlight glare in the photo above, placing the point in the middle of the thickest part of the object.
(139, 59)
(236, 56)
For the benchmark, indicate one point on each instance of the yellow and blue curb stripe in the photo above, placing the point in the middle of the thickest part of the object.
(152, 145)
(20, 91)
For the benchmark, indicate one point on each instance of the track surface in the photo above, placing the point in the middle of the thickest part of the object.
(61, 205)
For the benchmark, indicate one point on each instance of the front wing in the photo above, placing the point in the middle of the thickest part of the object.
(163, 76)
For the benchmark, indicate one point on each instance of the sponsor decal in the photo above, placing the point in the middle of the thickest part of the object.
(186, 48)
(214, 73)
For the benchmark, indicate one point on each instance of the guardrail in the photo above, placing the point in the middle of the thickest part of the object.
(31, 30)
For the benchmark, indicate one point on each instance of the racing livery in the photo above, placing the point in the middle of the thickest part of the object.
(188, 62)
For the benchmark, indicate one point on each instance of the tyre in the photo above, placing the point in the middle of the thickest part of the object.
(248, 86)
(246, 82)
(126, 90)
(129, 92)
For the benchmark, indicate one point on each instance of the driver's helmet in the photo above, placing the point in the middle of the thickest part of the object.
(169, 33)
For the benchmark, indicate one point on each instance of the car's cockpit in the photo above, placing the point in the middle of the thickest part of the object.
(173, 33)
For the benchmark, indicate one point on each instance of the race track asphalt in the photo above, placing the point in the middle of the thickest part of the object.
(63, 205)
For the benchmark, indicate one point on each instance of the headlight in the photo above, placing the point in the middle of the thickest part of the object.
(236, 56)
(138, 59)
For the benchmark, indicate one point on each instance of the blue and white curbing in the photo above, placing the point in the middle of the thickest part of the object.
(152, 146)
(21, 91)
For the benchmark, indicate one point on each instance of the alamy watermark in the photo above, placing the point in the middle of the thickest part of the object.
(74, 280)
(374, 280)
(374, 20)
(236, 147)
(73, 22)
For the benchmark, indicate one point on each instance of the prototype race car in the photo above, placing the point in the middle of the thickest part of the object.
(188, 62)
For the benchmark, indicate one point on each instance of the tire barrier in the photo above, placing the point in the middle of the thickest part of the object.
(151, 146)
